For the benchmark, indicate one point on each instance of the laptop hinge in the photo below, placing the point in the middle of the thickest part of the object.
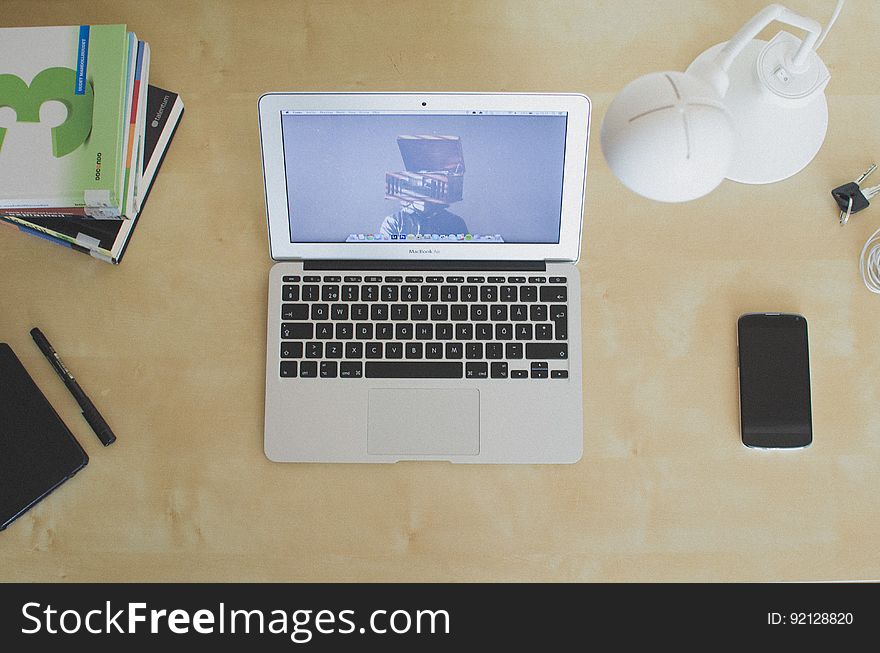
(506, 266)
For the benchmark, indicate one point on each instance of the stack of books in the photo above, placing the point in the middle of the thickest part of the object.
(82, 134)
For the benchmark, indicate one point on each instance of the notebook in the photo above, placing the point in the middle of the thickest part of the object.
(425, 304)
(37, 451)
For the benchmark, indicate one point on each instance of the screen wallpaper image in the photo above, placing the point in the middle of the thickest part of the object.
(464, 177)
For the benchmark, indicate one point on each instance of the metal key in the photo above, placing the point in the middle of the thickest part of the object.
(851, 198)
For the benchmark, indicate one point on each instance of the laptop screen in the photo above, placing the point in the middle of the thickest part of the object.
(465, 176)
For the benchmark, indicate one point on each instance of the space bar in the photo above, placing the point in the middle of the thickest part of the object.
(404, 370)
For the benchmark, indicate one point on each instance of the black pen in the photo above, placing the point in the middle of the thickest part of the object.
(93, 417)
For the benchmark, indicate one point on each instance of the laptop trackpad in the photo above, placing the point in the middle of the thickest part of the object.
(424, 422)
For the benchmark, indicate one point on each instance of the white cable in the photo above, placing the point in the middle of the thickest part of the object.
(869, 263)
(830, 24)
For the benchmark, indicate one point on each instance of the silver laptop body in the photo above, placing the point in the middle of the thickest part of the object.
(425, 305)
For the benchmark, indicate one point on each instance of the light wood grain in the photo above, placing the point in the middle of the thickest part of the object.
(171, 343)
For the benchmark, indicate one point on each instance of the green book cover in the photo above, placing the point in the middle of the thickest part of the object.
(63, 117)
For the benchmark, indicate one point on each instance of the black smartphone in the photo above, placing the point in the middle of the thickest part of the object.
(774, 381)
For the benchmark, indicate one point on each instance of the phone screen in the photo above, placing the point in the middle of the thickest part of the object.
(774, 380)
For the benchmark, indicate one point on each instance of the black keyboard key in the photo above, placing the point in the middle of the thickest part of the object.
(339, 312)
(554, 293)
(434, 279)
(329, 293)
(359, 312)
(454, 350)
(483, 331)
(519, 313)
(424, 331)
(388, 279)
(464, 331)
(288, 369)
(354, 349)
(538, 313)
(443, 331)
(324, 330)
(400, 311)
(418, 312)
(540, 373)
(557, 279)
(409, 293)
(524, 332)
(373, 350)
(363, 331)
(476, 370)
(373, 279)
(473, 350)
(528, 294)
(559, 317)
(434, 350)
(458, 312)
(504, 331)
(291, 350)
(494, 350)
(413, 370)
(547, 350)
(537, 279)
(389, 293)
(290, 293)
(559, 374)
(516, 279)
(499, 370)
(496, 279)
(479, 312)
(352, 279)
(394, 350)
(333, 350)
(454, 279)
(488, 293)
(543, 332)
(294, 311)
(476, 279)
(439, 312)
(332, 279)
(379, 312)
(314, 350)
(403, 331)
(413, 349)
(415, 279)
(329, 369)
(519, 374)
(384, 331)
(370, 293)
(430, 293)
(350, 293)
(320, 312)
(508, 293)
(449, 294)
(310, 293)
(290, 278)
(514, 350)
(297, 331)
(311, 279)
(498, 312)
(350, 370)
(469, 294)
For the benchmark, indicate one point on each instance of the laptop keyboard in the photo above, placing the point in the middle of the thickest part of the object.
(436, 326)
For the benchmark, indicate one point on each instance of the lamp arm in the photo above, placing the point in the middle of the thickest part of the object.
(758, 22)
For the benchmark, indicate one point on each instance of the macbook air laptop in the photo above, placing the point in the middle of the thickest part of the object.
(425, 304)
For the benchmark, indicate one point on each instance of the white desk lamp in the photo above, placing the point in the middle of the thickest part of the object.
(749, 110)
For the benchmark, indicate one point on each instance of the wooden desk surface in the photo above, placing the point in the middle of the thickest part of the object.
(171, 343)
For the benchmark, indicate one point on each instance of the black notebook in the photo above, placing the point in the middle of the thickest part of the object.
(37, 451)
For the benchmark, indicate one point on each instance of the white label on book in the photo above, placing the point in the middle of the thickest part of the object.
(87, 241)
(97, 197)
(100, 256)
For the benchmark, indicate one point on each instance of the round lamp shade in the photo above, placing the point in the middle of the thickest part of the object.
(667, 136)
